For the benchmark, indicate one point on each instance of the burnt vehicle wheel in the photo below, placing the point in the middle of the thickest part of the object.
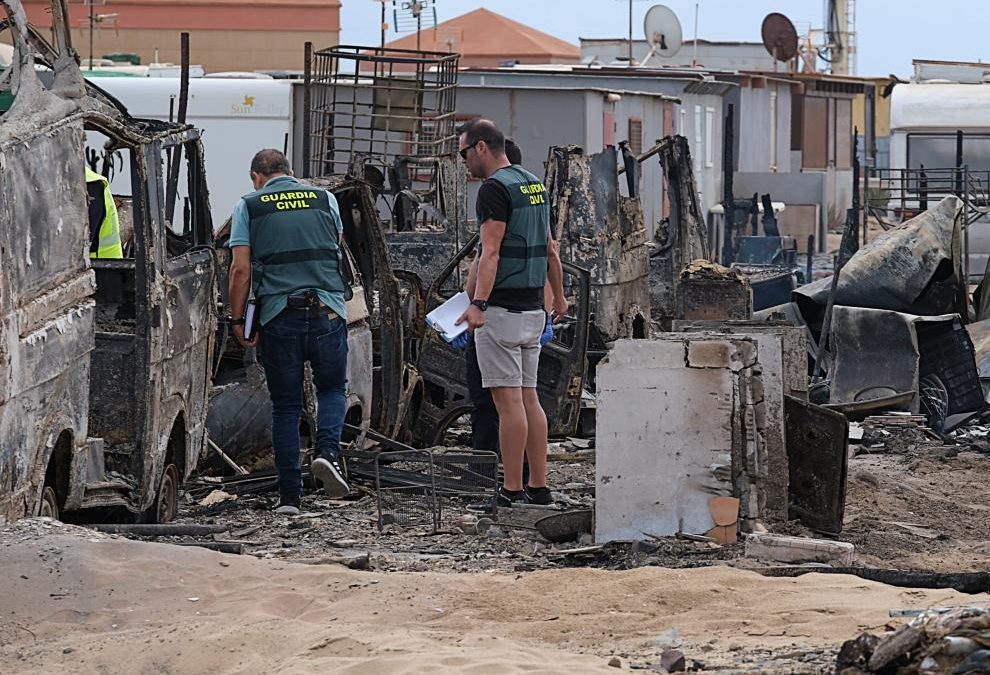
(167, 498)
(49, 503)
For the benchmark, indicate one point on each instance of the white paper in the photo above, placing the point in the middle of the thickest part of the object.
(443, 317)
(249, 319)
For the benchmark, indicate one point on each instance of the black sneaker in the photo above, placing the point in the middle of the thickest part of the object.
(540, 495)
(330, 473)
(505, 499)
(288, 506)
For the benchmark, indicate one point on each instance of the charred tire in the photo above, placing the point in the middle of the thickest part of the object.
(452, 416)
(166, 504)
(49, 503)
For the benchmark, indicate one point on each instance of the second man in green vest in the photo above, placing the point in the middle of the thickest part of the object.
(507, 313)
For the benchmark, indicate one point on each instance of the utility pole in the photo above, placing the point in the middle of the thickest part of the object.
(94, 19)
(630, 34)
(92, 23)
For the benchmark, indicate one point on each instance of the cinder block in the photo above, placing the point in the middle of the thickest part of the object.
(799, 549)
(709, 354)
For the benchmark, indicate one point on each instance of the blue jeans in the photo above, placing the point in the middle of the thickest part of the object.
(287, 342)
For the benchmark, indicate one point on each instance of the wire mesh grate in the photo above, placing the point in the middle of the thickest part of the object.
(407, 495)
(463, 476)
(416, 487)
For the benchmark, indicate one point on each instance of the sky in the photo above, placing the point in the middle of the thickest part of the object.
(889, 32)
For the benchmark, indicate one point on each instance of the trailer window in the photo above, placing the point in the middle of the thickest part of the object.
(938, 151)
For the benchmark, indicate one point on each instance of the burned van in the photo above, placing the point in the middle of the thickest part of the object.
(105, 364)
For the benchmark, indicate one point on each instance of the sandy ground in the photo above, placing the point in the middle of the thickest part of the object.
(75, 601)
(919, 512)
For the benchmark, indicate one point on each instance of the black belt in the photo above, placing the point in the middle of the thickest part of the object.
(321, 310)
(311, 299)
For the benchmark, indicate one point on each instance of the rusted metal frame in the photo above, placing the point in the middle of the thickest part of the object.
(675, 160)
(391, 331)
(656, 149)
(451, 265)
(145, 161)
(418, 326)
(175, 154)
(379, 438)
(577, 353)
(60, 28)
(728, 253)
(35, 38)
(307, 130)
(200, 199)
(60, 21)
(434, 87)
(849, 240)
(125, 132)
(406, 56)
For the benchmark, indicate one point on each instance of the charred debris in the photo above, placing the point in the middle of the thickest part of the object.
(712, 319)
(120, 382)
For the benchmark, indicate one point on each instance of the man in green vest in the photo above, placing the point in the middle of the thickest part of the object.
(104, 227)
(507, 314)
(285, 237)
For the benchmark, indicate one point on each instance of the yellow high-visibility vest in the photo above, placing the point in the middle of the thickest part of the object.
(109, 244)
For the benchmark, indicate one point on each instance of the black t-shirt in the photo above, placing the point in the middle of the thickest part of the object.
(494, 203)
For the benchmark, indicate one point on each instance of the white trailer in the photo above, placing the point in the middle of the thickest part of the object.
(925, 118)
(237, 118)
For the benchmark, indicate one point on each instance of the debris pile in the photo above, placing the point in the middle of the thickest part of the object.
(939, 640)
(897, 434)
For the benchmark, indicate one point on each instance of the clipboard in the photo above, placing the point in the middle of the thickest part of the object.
(443, 318)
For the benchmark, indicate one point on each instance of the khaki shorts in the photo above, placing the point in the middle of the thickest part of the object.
(508, 347)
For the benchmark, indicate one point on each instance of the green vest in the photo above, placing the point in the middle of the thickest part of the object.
(293, 244)
(109, 244)
(522, 258)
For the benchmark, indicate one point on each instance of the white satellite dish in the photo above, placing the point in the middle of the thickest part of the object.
(663, 32)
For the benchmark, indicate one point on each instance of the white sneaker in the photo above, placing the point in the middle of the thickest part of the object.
(289, 507)
(331, 475)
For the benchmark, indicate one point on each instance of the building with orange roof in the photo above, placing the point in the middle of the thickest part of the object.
(224, 34)
(486, 39)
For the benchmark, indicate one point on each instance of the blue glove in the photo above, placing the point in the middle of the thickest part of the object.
(462, 340)
(547, 331)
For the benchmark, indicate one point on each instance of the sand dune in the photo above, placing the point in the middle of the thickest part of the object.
(86, 603)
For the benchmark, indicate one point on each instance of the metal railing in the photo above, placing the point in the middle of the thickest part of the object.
(896, 195)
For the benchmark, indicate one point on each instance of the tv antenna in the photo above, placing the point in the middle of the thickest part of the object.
(629, 54)
(663, 32)
(94, 20)
(779, 37)
(408, 16)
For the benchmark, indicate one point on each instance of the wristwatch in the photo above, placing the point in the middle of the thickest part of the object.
(236, 322)
(480, 304)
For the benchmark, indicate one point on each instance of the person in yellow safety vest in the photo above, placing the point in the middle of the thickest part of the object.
(104, 228)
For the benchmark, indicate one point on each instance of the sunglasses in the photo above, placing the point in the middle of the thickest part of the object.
(463, 151)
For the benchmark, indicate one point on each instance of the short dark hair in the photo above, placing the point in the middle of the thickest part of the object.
(512, 152)
(268, 162)
(484, 130)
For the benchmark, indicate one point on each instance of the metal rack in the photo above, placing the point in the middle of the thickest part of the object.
(377, 104)
(412, 486)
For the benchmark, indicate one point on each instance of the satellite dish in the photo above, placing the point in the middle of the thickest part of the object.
(663, 31)
(779, 36)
